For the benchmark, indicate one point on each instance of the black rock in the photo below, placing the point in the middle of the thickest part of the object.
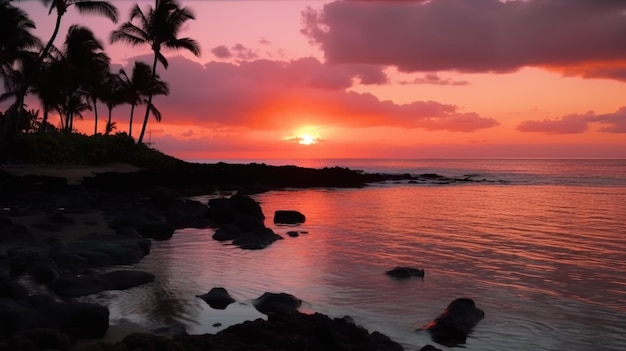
(405, 272)
(217, 298)
(271, 303)
(288, 217)
(455, 323)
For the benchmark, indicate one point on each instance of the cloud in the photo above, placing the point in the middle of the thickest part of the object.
(578, 123)
(571, 124)
(434, 79)
(238, 51)
(221, 52)
(612, 122)
(474, 36)
(282, 95)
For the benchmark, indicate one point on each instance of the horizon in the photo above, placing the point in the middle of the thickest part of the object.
(318, 83)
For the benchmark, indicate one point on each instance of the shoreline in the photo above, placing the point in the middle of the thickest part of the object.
(47, 208)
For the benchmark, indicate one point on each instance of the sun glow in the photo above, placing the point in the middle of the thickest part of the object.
(306, 139)
(305, 136)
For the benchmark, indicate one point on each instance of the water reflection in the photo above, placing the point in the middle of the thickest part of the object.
(542, 261)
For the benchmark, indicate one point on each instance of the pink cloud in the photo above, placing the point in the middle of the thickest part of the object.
(612, 122)
(434, 79)
(573, 124)
(221, 52)
(472, 36)
(265, 95)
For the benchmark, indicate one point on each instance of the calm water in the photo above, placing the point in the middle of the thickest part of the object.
(544, 254)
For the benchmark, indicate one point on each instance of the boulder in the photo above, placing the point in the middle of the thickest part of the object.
(78, 320)
(148, 224)
(235, 209)
(227, 232)
(455, 323)
(288, 217)
(257, 239)
(271, 303)
(217, 298)
(405, 272)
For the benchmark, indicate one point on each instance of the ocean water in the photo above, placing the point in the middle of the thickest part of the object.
(540, 246)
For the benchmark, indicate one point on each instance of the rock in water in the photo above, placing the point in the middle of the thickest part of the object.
(405, 272)
(217, 298)
(288, 217)
(455, 323)
(270, 303)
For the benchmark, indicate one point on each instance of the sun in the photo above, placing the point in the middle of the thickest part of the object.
(305, 136)
(307, 139)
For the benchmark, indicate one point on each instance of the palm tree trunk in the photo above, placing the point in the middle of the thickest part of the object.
(145, 120)
(95, 111)
(44, 122)
(108, 127)
(130, 127)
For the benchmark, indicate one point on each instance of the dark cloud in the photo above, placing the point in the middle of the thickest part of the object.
(474, 36)
(221, 52)
(573, 124)
(434, 79)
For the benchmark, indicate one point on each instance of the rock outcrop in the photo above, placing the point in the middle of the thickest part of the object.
(453, 326)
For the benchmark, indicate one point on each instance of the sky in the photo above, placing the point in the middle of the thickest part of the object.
(290, 79)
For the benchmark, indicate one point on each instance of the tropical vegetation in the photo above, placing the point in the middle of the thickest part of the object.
(71, 81)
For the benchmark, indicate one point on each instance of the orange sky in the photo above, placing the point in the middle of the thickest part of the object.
(394, 79)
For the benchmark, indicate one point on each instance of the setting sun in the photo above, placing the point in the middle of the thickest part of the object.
(306, 139)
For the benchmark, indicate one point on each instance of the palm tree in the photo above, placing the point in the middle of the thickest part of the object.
(82, 55)
(15, 41)
(138, 87)
(158, 28)
(104, 8)
(46, 87)
(96, 74)
(112, 95)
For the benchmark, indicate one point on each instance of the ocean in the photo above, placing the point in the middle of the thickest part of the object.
(539, 245)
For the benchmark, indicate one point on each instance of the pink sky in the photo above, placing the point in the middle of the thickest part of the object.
(385, 79)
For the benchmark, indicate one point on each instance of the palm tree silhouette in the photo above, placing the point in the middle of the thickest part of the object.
(139, 86)
(112, 95)
(158, 28)
(104, 8)
(15, 40)
(82, 53)
(46, 89)
(95, 76)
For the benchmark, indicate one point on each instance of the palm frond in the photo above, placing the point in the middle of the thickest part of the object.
(155, 112)
(136, 12)
(131, 34)
(161, 59)
(104, 8)
(183, 43)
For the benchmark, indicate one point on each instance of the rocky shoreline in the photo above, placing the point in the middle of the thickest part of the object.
(63, 236)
